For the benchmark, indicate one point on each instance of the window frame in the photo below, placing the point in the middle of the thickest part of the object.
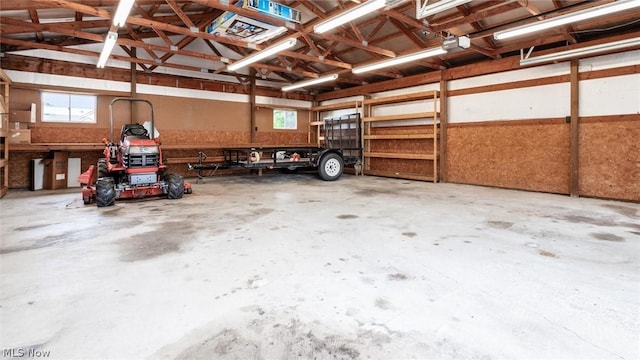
(285, 112)
(69, 113)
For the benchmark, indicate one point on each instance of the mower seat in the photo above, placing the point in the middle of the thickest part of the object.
(133, 131)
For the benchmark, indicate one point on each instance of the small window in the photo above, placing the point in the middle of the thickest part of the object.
(285, 119)
(61, 107)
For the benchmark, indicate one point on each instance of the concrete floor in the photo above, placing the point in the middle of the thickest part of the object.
(289, 266)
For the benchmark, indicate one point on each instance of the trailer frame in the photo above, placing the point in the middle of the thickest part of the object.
(342, 147)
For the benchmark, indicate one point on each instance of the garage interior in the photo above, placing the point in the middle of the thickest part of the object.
(497, 215)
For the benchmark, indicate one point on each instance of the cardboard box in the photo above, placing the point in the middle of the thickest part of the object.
(23, 113)
(19, 136)
(56, 171)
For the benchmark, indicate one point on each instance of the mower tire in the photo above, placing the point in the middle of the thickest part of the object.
(105, 192)
(102, 168)
(175, 186)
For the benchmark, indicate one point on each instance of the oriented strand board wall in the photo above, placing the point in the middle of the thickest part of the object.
(609, 156)
(517, 155)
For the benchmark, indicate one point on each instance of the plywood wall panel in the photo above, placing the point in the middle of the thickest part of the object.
(185, 137)
(609, 158)
(408, 146)
(281, 137)
(419, 167)
(43, 134)
(528, 157)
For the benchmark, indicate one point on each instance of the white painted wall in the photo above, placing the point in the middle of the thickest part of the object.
(610, 96)
(606, 96)
(515, 104)
(117, 86)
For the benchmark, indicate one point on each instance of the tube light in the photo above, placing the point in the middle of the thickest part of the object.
(264, 53)
(589, 50)
(310, 82)
(349, 15)
(610, 8)
(399, 60)
(122, 12)
(440, 6)
(109, 43)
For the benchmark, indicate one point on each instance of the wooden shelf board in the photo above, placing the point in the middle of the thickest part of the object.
(402, 98)
(421, 115)
(316, 123)
(399, 156)
(343, 105)
(398, 136)
(399, 175)
(56, 146)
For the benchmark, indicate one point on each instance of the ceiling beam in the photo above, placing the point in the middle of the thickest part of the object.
(33, 14)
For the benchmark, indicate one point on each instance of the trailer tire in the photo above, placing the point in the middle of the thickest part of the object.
(103, 171)
(175, 186)
(105, 192)
(331, 167)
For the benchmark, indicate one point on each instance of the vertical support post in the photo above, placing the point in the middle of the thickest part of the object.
(134, 87)
(443, 127)
(574, 190)
(252, 104)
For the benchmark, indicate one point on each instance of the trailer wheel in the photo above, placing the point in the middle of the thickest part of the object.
(103, 171)
(105, 192)
(331, 167)
(175, 185)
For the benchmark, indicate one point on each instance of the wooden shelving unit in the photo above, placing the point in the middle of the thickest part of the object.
(5, 82)
(316, 123)
(429, 156)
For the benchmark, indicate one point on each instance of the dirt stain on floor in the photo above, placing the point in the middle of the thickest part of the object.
(409, 234)
(397, 276)
(347, 216)
(383, 304)
(31, 227)
(624, 210)
(547, 253)
(607, 237)
(157, 242)
(51, 240)
(500, 224)
(377, 192)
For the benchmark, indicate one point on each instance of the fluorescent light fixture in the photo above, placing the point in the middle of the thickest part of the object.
(349, 15)
(264, 53)
(606, 9)
(310, 82)
(122, 12)
(109, 43)
(589, 50)
(399, 60)
(440, 6)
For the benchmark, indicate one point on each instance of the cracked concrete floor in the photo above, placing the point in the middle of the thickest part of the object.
(289, 266)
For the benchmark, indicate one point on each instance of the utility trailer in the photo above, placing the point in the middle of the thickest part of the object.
(342, 147)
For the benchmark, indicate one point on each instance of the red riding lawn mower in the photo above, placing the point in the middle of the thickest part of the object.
(131, 169)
